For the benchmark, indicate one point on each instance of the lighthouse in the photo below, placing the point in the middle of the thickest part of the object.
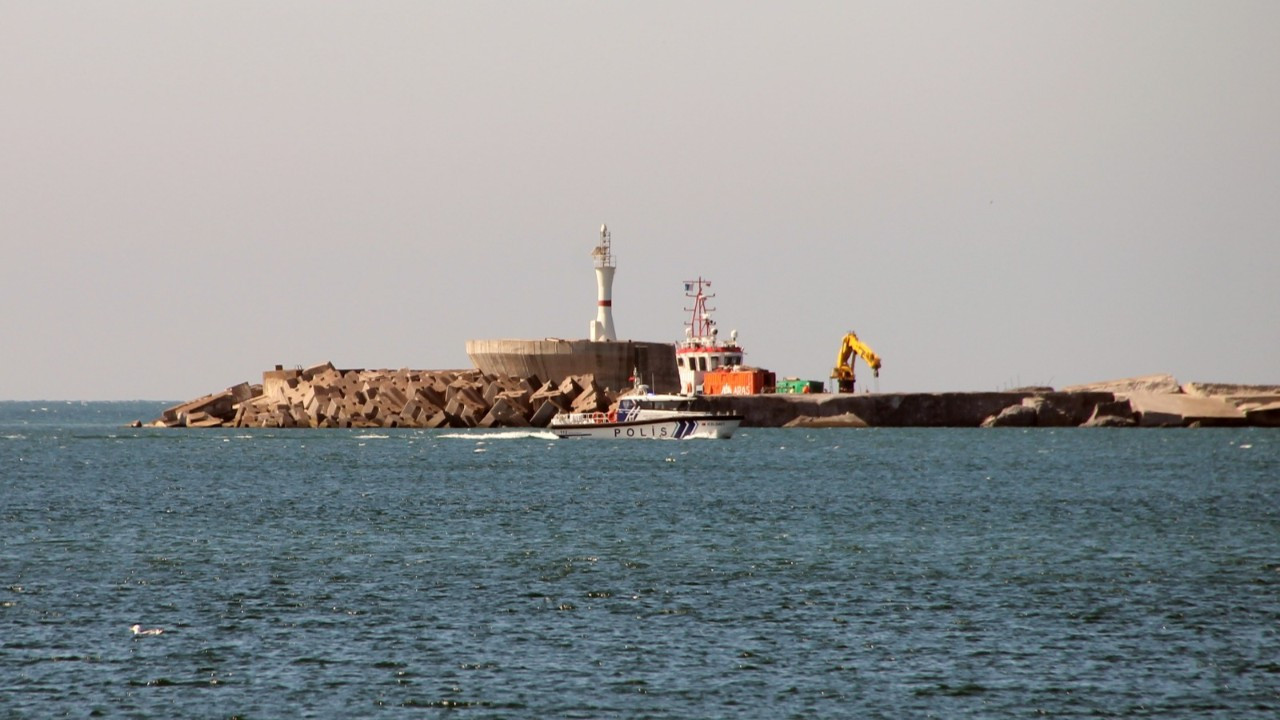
(601, 329)
(613, 363)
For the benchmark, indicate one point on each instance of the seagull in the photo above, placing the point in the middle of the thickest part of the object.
(138, 630)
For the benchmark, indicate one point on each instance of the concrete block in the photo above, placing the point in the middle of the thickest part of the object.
(395, 396)
(570, 388)
(1264, 415)
(519, 399)
(1201, 389)
(328, 378)
(454, 406)
(1103, 420)
(490, 392)
(546, 411)
(310, 373)
(242, 392)
(432, 395)
(843, 420)
(351, 382)
(591, 401)
(1013, 416)
(1115, 408)
(473, 399)
(1164, 410)
(411, 411)
(505, 414)
(1159, 384)
(336, 406)
(1047, 414)
(387, 408)
(220, 405)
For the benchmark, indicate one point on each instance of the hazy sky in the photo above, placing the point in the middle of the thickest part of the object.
(991, 193)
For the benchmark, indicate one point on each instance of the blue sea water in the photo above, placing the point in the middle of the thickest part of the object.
(886, 573)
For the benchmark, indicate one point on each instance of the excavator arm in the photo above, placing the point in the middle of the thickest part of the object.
(850, 348)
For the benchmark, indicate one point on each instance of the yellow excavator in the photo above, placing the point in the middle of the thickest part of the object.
(850, 347)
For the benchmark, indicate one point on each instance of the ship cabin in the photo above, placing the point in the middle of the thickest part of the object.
(693, 363)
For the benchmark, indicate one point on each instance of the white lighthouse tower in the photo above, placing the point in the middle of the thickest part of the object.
(602, 326)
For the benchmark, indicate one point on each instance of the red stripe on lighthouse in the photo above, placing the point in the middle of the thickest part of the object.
(605, 303)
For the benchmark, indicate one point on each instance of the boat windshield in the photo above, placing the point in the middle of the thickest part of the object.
(659, 403)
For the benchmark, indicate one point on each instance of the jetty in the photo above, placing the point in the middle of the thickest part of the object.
(322, 396)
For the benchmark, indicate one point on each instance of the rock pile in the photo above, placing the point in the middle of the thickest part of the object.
(324, 397)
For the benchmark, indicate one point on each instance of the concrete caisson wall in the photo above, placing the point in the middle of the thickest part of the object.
(612, 363)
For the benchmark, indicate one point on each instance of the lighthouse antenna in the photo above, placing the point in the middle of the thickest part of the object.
(603, 253)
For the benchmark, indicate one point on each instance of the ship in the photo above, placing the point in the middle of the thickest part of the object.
(702, 350)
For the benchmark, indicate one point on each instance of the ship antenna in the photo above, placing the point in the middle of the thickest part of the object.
(700, 323)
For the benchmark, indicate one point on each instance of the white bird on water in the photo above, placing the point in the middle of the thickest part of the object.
(139, 630)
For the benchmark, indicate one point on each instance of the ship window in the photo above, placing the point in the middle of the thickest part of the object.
(702, 363)
(680, 361)
(715, 362)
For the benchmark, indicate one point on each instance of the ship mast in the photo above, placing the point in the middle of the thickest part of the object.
(700, 328)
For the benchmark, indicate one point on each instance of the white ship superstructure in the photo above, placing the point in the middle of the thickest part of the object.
(702, 350)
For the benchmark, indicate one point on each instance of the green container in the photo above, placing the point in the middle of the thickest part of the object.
(796, 386)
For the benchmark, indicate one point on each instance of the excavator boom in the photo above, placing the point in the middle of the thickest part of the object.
(851, 347)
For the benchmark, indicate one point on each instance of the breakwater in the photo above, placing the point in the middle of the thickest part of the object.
(323, 396)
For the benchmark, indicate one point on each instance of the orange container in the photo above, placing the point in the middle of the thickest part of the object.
(738, 381)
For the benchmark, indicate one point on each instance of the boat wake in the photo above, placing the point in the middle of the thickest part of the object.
(486, 435)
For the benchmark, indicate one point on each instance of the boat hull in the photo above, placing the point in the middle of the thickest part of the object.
(686, 428)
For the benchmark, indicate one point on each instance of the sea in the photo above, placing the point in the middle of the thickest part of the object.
(825, 573)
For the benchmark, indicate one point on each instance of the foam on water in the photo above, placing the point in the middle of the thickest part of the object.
(484, 435)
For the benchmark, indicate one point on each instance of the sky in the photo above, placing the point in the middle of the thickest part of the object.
(991, 194)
